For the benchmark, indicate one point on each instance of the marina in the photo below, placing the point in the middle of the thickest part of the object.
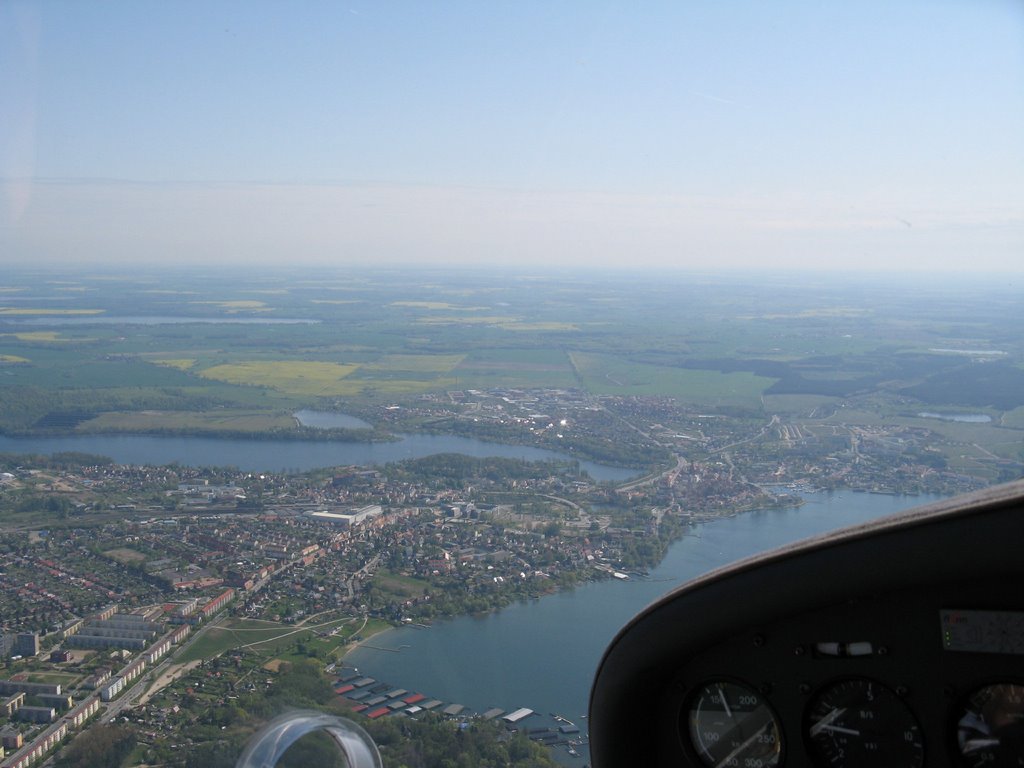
(553, 731)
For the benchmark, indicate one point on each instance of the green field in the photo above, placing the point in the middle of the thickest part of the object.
(198, 421)
(293, 377)
(402, 586)
(31, 311)
(181, 364)
(262, 637)
(67, 679)
(125, 555)
(603, 374)
(223, 357)
(802, 405)
(516, 367)
(414, 363)
(987, 435)
(437, 305)
(33, 336)
(1014, 418)
(387, 375)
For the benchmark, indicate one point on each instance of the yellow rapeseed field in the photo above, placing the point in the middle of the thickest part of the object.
(182, 364)
(36, 336)
(293, 377)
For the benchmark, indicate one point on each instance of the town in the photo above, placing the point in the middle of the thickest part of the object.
(124, 588)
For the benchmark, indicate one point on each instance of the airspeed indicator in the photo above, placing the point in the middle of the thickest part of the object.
(728, 724)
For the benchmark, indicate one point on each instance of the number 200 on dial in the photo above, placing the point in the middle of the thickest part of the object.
(729, 725)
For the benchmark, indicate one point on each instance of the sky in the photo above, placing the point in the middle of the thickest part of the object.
(878, 134)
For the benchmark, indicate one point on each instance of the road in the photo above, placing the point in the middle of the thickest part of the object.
(673, 471)
(172, 673)
(130, 698)
(775, 420)
(364, 571)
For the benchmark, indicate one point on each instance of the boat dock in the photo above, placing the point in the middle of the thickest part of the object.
(376, 699)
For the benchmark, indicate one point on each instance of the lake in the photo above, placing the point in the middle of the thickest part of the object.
(289, 455)
(543, 654)
(159, 320)
(965, 418)
(329, 420)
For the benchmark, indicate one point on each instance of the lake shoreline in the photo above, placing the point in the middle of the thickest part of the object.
(550, 647)
(295, 454)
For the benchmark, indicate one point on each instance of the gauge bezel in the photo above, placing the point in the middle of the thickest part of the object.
(813, 751)
(693, 692)
(958, 708)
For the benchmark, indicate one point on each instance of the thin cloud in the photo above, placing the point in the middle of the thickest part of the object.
(719, 99)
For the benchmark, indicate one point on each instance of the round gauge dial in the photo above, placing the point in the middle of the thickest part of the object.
(730, 724)
(859, 723)
(990, 729)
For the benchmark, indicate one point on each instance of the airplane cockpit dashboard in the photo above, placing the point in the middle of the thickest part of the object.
(895, 643)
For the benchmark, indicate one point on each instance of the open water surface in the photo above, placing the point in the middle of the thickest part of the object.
(289, 455)
(965, 418)
(329, 420)
(157, 320)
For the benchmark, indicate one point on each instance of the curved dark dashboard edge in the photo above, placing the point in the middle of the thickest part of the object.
(974, 539)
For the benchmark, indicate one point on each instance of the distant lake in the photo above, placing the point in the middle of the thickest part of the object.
(329, 420)
(157, 320)
(967, 418)
(968, 351)
(289, 455)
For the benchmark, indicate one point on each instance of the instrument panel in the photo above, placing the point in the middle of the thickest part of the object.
(864, 683)
(898, 643)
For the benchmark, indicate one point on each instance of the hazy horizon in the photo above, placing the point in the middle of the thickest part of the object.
(881, 136)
